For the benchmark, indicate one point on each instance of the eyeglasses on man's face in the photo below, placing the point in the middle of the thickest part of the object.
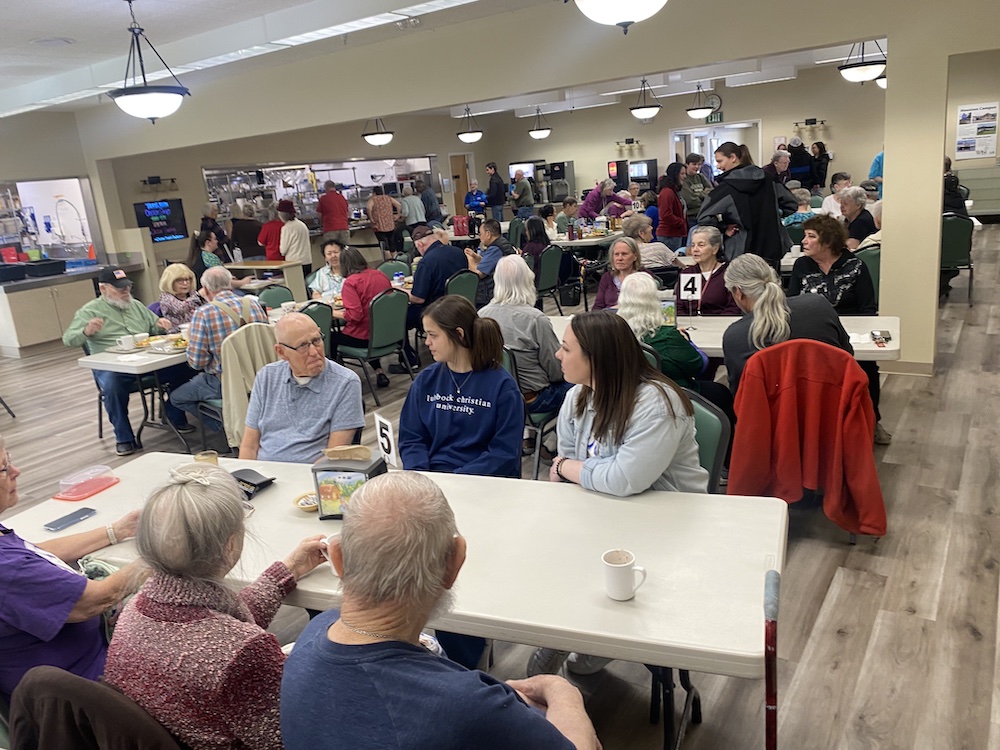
(315, 341)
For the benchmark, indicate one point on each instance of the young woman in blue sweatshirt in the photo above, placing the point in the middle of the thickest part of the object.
(464, 414)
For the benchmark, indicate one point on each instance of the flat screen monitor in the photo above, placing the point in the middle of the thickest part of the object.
(164, 219)
(638, 170)
(528, 169)
(391, 188)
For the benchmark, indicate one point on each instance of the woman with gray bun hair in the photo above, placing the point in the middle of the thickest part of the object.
(188, 649)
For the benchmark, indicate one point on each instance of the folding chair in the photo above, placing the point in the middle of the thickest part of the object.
(547, 278)
(386, 334)
(538, 425)
(391, 267)
(956, 246)
(273, 296)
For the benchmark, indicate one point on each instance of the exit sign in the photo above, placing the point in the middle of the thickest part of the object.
(714, 118)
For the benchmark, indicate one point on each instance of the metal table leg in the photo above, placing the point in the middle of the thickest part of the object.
(663, 679)
(164, 423)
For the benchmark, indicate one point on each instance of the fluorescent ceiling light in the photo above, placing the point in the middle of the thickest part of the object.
(229, 57)
(433, 6)
(343, 28)
(585, 102)
(22, 110)
(772, 75)
(75, 96)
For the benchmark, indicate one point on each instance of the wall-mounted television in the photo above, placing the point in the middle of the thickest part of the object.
(164, 219)
(528, 168)
(638, 170)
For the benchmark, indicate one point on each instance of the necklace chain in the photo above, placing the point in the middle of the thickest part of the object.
(366, 633)
(458, 387)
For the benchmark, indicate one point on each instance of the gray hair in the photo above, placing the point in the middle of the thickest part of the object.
(514, 282)
(216, 279)
(249, 211)
(855, 194)
(757, 280)
(272, 212)
(285, 216)
(802, 195)
(188, 524)
(634, 224)
(639, 305)
(779, 154)
(397, 536)
(713, 235)
(207, 208)
(632, 245)
(407, 190)
(875, 209)
(605, 184)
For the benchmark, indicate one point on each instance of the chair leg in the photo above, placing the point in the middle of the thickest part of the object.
(538, 452)
(100, 416)
(406, 362)
(971, 272)
(9, 411)
(364, 369)
(555, 296)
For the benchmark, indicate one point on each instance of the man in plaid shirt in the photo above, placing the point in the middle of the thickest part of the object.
(209, 326)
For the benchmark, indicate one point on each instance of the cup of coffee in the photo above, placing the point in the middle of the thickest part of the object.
(619, 574)
(326, 545)
(126, 342)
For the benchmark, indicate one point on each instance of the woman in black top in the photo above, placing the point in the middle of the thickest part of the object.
(244, 230)
(828, 268)
(821, 163)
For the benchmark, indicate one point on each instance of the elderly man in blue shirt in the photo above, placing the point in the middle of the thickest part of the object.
(492, 247)
(304, 402)
(475, 199)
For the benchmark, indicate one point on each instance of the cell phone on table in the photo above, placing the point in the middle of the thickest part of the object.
(66, 521)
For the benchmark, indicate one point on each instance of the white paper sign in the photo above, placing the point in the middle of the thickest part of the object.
(386, 440)
(691, 286)
(976, 134)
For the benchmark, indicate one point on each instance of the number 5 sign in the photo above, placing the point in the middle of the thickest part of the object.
(691, 286)
(386, 440)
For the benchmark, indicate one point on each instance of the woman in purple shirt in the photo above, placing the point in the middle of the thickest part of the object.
(599, 198)
(51, 613)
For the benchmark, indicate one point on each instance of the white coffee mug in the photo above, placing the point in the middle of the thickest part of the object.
(619, 574)
(796, 249)
(126, 342)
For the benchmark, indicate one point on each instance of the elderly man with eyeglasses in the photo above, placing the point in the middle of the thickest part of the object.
(304, 402)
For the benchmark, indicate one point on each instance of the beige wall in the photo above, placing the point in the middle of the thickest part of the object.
(972, 79)
(40, 146)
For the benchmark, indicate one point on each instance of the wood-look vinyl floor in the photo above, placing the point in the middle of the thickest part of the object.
(891, 643)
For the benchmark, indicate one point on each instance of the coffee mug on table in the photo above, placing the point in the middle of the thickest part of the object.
(125, 342)
(619, 574)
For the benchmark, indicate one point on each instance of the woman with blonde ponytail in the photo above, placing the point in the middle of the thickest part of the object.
(771, 318)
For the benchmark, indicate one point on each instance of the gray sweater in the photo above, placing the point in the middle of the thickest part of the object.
(812, 317)
(659, 450)
(528, 332)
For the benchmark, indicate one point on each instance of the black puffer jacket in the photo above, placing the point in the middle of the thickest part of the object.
(747, 198)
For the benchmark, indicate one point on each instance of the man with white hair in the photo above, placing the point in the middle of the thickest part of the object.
(97, 326)
(225, 312)
(475, 199)
(302, 403)
(522, 196)
(360, 678)
(777, 170)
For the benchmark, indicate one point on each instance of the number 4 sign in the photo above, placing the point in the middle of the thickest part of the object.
(691, 286)
(386, 440)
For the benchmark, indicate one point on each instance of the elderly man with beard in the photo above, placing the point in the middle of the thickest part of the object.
(360, 678)
(97, 326)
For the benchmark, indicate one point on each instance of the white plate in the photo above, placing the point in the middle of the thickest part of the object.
(122, 350)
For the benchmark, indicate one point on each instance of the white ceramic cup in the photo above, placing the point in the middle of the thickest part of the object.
(126, 342)
(796, 249)
(619, 574)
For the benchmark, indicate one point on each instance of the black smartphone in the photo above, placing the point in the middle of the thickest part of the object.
(66, 521)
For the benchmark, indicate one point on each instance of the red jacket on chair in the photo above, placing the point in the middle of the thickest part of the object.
(805, 421)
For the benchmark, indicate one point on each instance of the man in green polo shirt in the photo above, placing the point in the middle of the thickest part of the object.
(522, 197)
(98, 325)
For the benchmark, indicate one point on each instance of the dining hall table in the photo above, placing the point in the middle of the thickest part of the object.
(533, 573)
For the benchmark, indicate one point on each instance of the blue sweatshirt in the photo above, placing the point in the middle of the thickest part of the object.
(475, 428)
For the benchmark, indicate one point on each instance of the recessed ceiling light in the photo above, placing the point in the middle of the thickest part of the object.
(53, 41)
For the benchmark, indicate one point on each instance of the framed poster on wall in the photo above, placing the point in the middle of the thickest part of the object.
(976, 134)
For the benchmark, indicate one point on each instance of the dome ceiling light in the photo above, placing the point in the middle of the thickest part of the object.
(141, 99)
(471, 131)
(862, 69)
(541, 128)
(704, 104)
(622, 13)
(380, 136)
(644, 108)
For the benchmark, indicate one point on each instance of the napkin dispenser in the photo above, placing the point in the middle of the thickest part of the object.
(339, 474)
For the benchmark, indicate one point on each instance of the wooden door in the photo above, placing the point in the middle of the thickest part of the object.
(459, 181)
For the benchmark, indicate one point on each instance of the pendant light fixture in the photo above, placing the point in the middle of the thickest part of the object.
(471, 132)
(141, 99)
(862, 69)
(644, 108)
(541, 129)
(703, 105)
(622, 13)
(380, 136)
(881, 81)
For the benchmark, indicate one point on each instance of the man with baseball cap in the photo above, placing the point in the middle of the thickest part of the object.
(294, 243)
(98, 325)
(439, 261)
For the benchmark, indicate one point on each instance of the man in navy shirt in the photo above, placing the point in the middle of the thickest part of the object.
(359, 679)
(438, 263)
